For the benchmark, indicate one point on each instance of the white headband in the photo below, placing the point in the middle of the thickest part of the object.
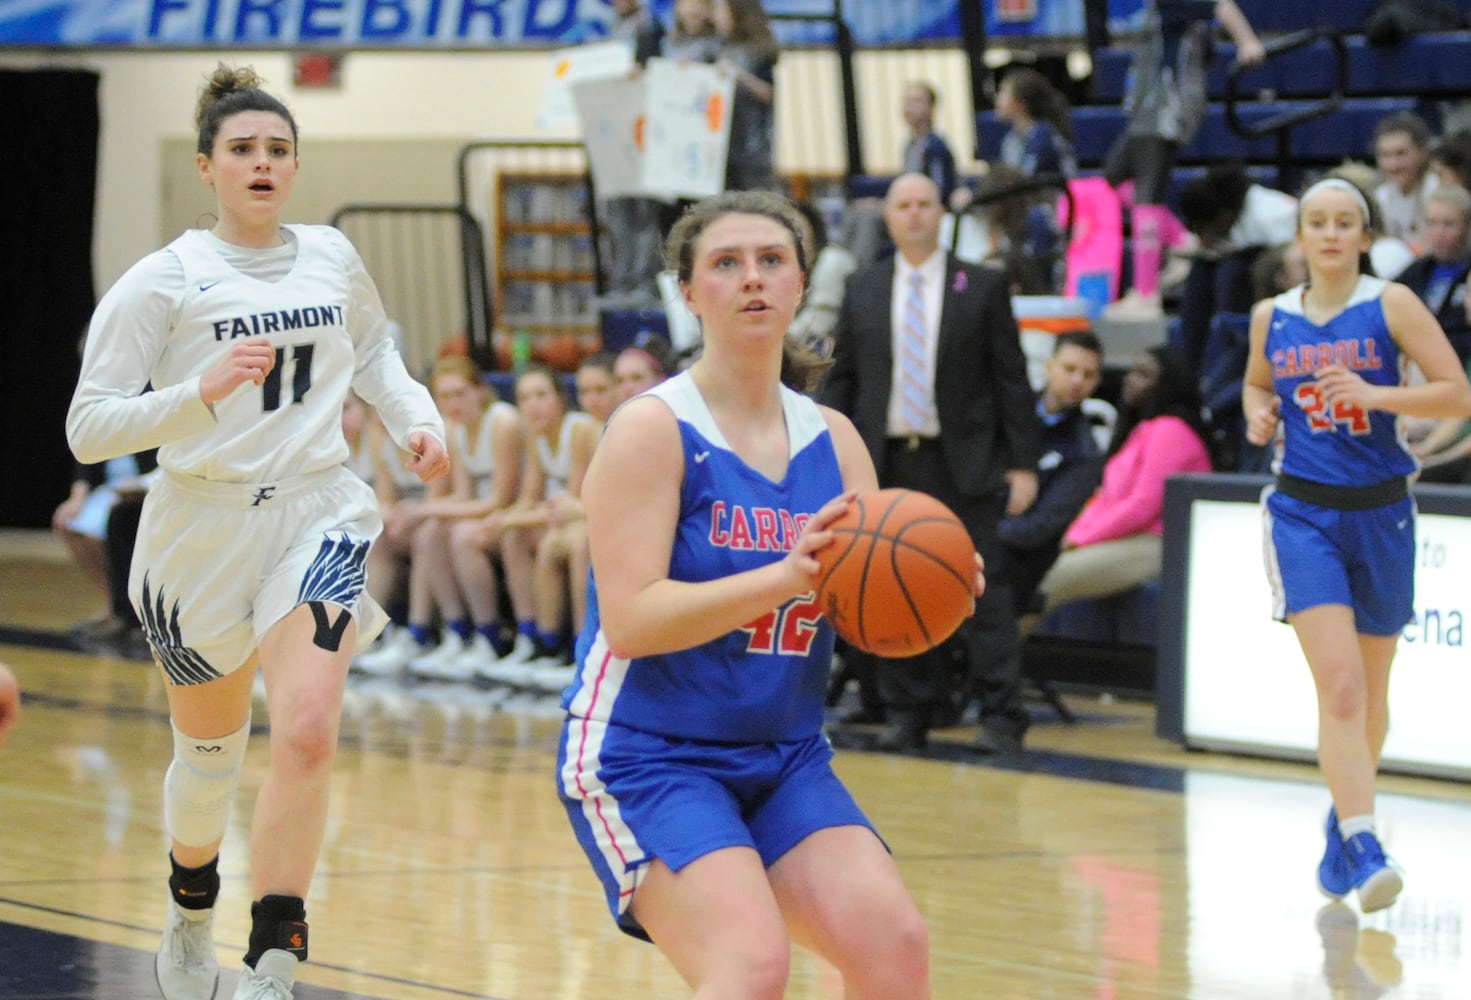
(1339, 184)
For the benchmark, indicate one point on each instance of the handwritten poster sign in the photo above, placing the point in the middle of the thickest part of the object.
(569, 67)
(687, 131)
(612, 113)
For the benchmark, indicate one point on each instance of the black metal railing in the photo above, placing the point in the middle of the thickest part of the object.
(1280, 125)
(424, 259)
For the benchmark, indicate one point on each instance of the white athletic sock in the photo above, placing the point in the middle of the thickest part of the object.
(1356, 824)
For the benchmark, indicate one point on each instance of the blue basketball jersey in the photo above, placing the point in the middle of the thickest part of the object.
(764, 682)
(1339, 445)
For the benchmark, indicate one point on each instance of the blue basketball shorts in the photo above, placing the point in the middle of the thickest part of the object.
(634, 796)
(1364, 559)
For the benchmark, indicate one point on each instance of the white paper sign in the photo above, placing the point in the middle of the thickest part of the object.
(687, 109)
(612, 113)
(571, 66)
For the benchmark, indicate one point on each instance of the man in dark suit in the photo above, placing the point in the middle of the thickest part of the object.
(929, 366)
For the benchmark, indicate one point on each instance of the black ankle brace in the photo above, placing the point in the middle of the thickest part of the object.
(195, 888)
(277, 922)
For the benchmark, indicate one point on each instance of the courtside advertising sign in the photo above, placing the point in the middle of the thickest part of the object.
(1246, 684)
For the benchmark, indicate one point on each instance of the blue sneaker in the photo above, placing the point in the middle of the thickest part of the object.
(1377, 881)
(1334, 878)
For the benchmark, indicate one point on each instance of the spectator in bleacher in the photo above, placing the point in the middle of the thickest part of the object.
(1277, 269)
(633, 222)
(926, 151)
(81, 521)
(642, 365)
(1016, 233)
(1439, 277)
(1341, 551)
(693, 37)
(1234, 220)
(1450, 159)
(748, 54)
(1037, 144)
(1402, 154)
(1040, 138)
(1388, 255)
(1116, 542)
(827, 276)
(1166, 105)
(1070, 467)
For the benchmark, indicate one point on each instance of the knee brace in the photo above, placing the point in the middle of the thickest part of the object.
(200, 785)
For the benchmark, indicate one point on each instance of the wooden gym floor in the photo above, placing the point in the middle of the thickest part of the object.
(1105, 864)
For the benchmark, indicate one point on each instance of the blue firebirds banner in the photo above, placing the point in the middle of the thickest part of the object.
(451, 24)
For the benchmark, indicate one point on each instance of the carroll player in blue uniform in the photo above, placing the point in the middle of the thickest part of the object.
(1328, 362)
(693, 764)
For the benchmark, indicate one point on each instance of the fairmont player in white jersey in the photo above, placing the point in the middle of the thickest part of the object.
(251, 550)
(692, 763)
(1326, 377)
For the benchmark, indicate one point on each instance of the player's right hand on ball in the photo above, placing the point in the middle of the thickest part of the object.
(247, 361)
(815, 535)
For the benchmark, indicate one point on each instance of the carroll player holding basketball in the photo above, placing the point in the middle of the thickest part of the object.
(251, 549)
(693, 764)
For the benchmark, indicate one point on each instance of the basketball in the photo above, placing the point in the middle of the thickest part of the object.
(899, 576)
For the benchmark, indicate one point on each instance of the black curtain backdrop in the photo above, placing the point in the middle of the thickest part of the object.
(47, 188)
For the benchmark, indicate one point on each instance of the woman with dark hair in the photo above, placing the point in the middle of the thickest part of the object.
(252, 546)
(748, 54)
(1326, 386)
(1040, 138)
(1116, 543)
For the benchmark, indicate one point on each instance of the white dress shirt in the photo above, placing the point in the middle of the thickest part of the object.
(932, 281)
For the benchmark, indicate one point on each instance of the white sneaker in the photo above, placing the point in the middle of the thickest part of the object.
(186, 966)
(389, 657)
(272, 978)
(435, 663)
(475, 657)
(551, 674)
(512, 668)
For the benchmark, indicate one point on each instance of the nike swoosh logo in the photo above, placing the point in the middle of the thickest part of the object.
(701, 456)
(205, 288)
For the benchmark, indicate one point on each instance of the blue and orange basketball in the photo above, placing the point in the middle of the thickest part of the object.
(899, 576)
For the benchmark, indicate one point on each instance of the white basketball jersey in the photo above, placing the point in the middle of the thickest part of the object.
(558, 465)
(176, 313)
(480, 453)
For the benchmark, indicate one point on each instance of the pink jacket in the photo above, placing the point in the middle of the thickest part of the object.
(1131, 499)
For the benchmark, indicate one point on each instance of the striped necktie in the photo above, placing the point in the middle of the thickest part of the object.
(913, 372)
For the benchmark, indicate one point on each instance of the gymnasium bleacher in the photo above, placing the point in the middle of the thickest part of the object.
(1419, 74)
(1415, 75)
